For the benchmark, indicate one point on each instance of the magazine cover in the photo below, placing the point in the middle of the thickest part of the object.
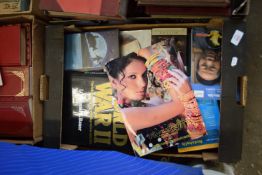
(89, 118)
(206, 62)
(157, 119)
(90, 50)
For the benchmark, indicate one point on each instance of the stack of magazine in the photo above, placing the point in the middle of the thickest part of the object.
(143, 90)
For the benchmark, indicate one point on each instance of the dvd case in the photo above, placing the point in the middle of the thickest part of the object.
(206, 62)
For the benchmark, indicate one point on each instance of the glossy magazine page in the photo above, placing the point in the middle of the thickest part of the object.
(155, 99)
(206, 62)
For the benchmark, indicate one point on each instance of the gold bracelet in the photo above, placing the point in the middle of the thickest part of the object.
(151, 60)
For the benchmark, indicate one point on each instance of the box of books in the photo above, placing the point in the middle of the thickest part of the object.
(163, 78)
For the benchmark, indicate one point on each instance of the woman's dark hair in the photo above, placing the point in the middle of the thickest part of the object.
(115, 67)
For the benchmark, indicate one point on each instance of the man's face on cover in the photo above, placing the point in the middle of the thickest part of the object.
(209, 66)
(132, 83)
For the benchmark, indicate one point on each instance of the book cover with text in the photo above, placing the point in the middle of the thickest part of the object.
(89, 116)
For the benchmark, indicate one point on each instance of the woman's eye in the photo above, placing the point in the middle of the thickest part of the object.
(132, 76)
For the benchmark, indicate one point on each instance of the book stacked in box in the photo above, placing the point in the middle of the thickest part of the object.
(15, 91)
(90, 118)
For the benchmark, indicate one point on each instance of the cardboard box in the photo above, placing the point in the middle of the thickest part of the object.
(240, 8)
(231, 124)
(37, 70)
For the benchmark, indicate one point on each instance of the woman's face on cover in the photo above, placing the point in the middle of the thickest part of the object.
(132, 83)
(209, 67)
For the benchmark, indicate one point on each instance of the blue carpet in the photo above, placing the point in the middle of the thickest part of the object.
(25, 159)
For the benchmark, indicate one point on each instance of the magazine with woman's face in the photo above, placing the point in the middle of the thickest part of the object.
(155, 98)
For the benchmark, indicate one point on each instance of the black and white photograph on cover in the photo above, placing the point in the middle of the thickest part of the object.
(154, 121)
(206, 56)
(89, 51)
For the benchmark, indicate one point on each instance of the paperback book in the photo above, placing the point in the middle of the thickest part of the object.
(89, 51)
(90, 117)
(156, 117)
(206, 62)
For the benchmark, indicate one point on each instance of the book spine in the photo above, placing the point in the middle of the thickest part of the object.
(16, 120)
(28, 44)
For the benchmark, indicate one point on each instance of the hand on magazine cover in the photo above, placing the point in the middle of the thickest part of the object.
(178, 83)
